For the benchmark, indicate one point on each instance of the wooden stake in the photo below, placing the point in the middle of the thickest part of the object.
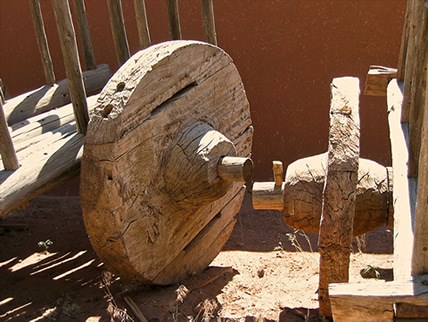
(208, 21)
(174, 19)
(278, 173)
(142, 25)
(67, 38)
(42, 41)
(235, 169)
(118, 30)
(82, 20)
(7, 150)
(340, 187)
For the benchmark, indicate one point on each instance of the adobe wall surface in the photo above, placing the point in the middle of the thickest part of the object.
(287, 52)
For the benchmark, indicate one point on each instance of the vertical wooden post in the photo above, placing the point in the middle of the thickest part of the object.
(42, 41)
(118, 30)
(278, 172)
(67, 39)
(82, 20)
(7, 151)
(401, 65)
(339, 195)
(142, 25)
(174, 19)
(208, 21)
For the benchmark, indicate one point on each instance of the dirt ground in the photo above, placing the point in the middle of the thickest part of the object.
(267, 271)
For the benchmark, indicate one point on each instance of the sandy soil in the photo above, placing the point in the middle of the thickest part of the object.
(267, 271)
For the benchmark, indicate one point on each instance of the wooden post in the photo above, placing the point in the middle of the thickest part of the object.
(118, 30)
(174, 19)
(339, 193)
(208, 21)
(42, 41)
(67, 38)
(142, 26)
(7, 150)
(268, 196)
(278, 172)
(235, 169)
(82, 20)
(401, 65)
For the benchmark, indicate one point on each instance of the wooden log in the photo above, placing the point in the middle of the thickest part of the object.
(268, 196)
(67, 39)
(208, 21)
(127, 148)
(82, 21)
(235, 169)
(404, 195)
(7, 150)
(42, 41)
(377, 302)
(51, 156)
(45, 98)
(142, 25)
(174, 19)
(377, 80)
(118, 30)
(339, 192)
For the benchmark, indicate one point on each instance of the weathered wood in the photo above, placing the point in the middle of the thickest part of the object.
(278, 172)
(45, 98)
(174, 19)
(42, 41)
(235, 169)
(82, 21)
(142, 25)
(415, 84)
(208, 21)
(51, 155)
(404, 195)
(339, 194)
(377, 80)
(268, 196)
(406, 310)
(375, 301)
(118, 30)
(67, 39)
(7, 150)
(401, 65)
(141, 231)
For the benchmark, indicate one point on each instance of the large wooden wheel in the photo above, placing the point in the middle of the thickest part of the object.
(161, 178)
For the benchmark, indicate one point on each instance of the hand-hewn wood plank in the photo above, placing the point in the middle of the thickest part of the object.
(340, 189)
(48, 97)
(42, 41)
(404, 194)
(142, 25)
(174, 19)
(85, 35)
(67, 39)
(7, 150)
(208, 21)
(374, 302)
(118, 30)
(377, 80)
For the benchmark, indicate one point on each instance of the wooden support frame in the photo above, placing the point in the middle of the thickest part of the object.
(82, 20)
(208, 21)
(142, 25)
(7, 150)
(118, 30)
(174, 19)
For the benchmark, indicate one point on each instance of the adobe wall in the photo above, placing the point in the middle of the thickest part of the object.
(286, 51)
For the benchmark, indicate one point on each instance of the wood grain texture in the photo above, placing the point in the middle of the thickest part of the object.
(118, 30)
(339, 194)
(377, 80)
(134, 224)
(70, 54)
(208, 21)
(48, 97)
(142, 25)
(7, 150)
(374, 302)
(174, 19)
(42, 41)
(85, 35)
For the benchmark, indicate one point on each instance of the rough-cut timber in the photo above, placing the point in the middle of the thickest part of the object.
(85, 35)
(118, 30)
(208, 21)
(49, 152)
(142, 26)
(174, 19)
(377, 80)
(339, 194)
(7, 151)
(48, 97)
(377, 302)
(140, 193)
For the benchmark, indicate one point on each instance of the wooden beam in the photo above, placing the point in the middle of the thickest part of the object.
(42, 41)
(268, 196)
(374, 302)
(174, 19)
(142, 25)
(401, 66)
(377, 80)
(82, 21)
(339, 194)
(208, 21)
(67, 39)
(404, 194)
(7, 150)
(118, 30)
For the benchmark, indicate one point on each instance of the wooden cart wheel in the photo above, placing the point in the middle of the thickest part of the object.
(164, 162)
